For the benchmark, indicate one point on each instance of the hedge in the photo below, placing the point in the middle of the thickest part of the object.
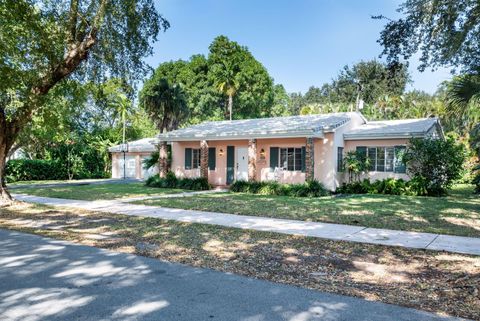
(171, 181)
(417, 186)
(308, 189)
(34, 169)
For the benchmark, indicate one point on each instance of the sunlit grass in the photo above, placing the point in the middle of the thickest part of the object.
(97, 191)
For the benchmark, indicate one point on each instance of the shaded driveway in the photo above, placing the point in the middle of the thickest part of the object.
(46, 279)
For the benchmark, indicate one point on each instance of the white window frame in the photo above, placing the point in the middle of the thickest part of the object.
(384, 160)
(294, 159)
(196, 164)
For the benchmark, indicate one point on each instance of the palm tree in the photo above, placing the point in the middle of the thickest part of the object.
(228, 85)
(463, 100)
(166, 105)
(463, 105)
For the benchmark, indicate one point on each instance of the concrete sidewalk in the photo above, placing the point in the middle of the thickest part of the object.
(429, 241)
(47, 279)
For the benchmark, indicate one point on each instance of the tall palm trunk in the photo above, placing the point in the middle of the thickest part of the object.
(230, 105)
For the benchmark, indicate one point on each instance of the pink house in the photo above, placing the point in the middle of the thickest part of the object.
(289, 149)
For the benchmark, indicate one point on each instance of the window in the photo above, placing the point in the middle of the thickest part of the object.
(384, 159)
(291, 159)
(195, 158)
(192, 158)
(340, 159)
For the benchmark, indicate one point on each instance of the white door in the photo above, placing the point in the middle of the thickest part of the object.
(242, 164)
(130, 167)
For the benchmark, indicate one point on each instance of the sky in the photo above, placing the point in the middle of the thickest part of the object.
(301, 43)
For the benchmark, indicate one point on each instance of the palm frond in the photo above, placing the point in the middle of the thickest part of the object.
(462, 93)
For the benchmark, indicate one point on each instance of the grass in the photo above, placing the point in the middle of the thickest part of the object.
(435, 281)
(97, 191)
(21, 183)
(456, 214)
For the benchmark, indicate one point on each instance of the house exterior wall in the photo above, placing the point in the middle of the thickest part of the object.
(351, 145)
(218, 176)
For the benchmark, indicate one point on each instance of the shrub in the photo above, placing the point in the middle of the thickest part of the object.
(308, 189)
(33, 169)
(389, 186)
(476, 179)
(171, 181)
(438, 162)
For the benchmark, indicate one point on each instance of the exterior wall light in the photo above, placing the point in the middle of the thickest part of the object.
(262, 153)
(220, 153)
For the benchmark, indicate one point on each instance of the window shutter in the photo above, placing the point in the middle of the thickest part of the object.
(304, 153)
(340, 159)
(399, 165)
(211, 158)
(188, 158)
(273, 157)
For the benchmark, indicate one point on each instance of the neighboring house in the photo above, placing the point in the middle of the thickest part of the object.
(127, 161)
(290, 149)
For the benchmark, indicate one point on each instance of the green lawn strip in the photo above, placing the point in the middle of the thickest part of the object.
(428, 280)
(21, 183)
(456, 214)
(98, 191)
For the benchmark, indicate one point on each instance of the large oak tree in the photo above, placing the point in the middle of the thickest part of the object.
(44, 42)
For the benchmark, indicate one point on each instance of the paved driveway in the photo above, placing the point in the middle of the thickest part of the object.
(46, 279)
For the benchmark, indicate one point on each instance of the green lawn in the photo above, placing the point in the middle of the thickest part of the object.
(98, 191)
(457, 214)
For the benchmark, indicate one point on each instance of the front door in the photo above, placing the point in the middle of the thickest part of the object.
(242, 164)
(230, 164)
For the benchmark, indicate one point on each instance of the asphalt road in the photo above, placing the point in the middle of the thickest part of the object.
(46, 279)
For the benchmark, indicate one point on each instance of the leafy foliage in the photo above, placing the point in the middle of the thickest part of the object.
(228, 70)
(309, 189)
(476, 180)
(355, 163)
(446, 32)
(437, 162)
(165, 104)
(171, 181)
(34, 169)
(389, 186)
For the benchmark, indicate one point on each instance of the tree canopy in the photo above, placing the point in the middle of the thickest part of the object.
(44, 42)
(444, 32)
(228, 73)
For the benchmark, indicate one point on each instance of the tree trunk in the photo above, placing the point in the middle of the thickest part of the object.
(230, 105)
(7, 136)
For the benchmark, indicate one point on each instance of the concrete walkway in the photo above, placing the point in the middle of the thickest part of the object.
(46, 279)
(429, 241)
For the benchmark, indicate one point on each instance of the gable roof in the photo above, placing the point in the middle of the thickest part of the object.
(141, 145)
(404, 128)
(275, 127)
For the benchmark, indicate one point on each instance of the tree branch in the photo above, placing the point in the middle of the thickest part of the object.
(72, 23)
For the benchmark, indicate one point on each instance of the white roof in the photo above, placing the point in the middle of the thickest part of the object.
(141, 145)
(275, 127)
(393, 129)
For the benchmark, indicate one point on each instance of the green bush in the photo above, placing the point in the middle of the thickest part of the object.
(390, 186)
(171, 181)
(438, 162)
(308, 189)
(34, 169)
(476, 179)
